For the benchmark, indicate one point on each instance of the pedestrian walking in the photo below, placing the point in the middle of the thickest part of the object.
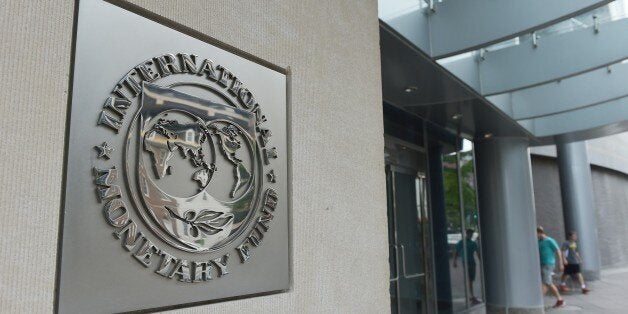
(549, 253)
(468, 260)
(572, 261)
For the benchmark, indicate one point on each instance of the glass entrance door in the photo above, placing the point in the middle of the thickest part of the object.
(408, 230)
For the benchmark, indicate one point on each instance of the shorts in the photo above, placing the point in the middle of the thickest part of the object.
(572, 269)
(546, 274)
(471, 272)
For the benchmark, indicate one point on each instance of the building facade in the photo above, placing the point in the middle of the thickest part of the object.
(418, 164)
(608, 172)
(331, 97)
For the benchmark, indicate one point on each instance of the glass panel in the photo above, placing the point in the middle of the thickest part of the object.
(453, 209)
(614, 11)
(409, 229)
(472, 224)
(425, 224)
(454, 232)
(389, 9)
(409, 242)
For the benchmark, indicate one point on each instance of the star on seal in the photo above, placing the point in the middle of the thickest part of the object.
(104, 150)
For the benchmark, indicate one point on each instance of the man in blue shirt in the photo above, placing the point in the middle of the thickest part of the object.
(549, 252)
(468, 260)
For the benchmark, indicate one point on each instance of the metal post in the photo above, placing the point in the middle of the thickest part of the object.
(578, 204)
(479, 222)
(509, 244)
(439, 228)
(463, 224)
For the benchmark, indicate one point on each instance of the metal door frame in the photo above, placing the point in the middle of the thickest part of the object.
(425, 221)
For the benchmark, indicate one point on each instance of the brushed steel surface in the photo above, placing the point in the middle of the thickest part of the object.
(168, 202)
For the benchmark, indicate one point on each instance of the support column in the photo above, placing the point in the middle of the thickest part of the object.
(439, 229)
(578, 205)
(509, 243)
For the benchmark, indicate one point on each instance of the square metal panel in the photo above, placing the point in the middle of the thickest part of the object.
(176, 183)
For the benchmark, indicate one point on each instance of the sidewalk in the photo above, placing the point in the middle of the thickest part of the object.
(608, 295)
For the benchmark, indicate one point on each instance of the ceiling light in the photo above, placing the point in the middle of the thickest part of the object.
(411, 89)
(457, 116)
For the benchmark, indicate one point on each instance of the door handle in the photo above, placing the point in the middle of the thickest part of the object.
(396, 257)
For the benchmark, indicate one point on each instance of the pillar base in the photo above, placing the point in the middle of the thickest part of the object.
(498, 309)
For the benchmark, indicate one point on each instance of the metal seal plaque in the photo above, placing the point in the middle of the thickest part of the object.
(180, 155)
(193, 165)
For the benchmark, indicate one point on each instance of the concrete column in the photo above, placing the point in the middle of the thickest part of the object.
(439, 229)
(578, 204)
(509, 244)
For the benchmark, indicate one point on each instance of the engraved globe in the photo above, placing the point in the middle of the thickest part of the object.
(195, 167)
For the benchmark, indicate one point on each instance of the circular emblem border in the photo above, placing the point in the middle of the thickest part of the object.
(127, 92)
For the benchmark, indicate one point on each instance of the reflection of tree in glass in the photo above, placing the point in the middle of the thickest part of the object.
(452, 204)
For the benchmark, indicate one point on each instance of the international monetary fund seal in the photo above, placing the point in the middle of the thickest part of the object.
(195, 160)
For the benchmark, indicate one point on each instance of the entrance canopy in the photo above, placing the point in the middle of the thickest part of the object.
(546, 70)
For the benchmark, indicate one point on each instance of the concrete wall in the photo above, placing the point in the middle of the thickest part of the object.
(611, 201)
(35, 46)
(547, 200)
(609, 152)
(611, 196)
(332, 49)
